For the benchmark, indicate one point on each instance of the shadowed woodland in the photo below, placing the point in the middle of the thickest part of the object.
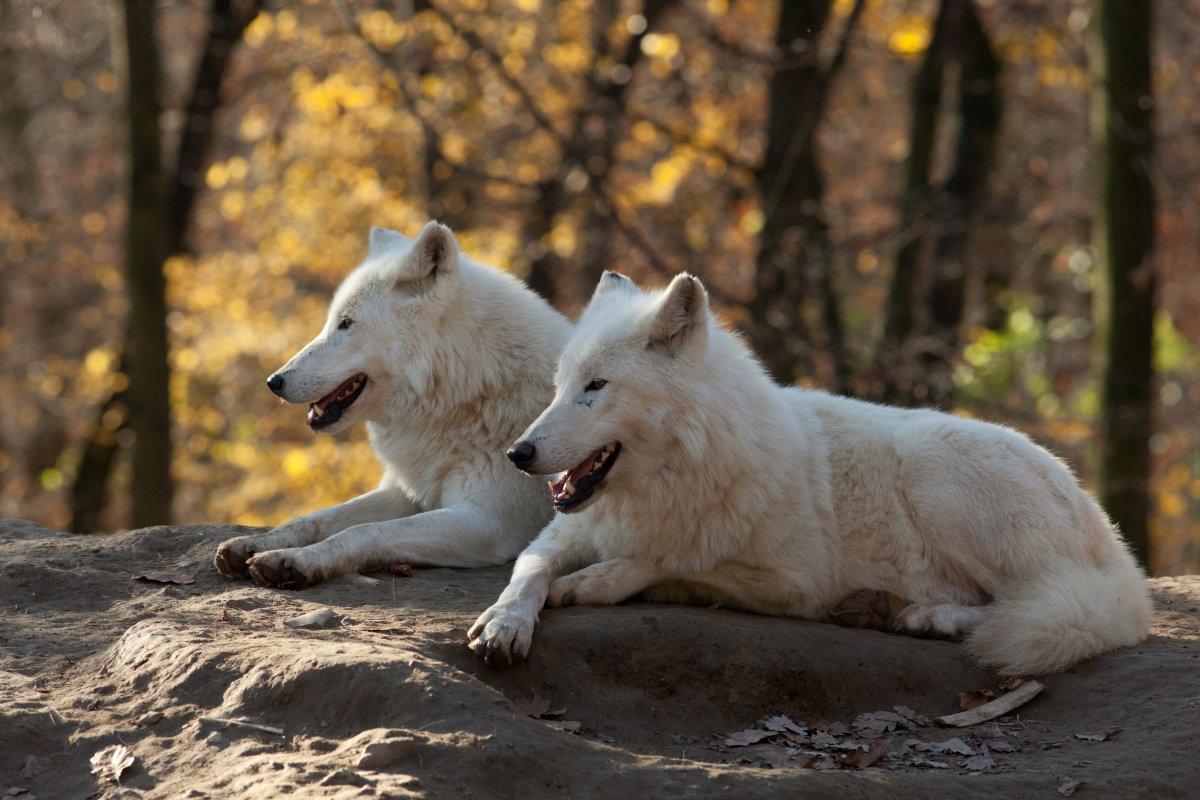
(988, 207)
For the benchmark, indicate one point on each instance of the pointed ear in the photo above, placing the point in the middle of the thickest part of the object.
(383, 240)
(681, 312)
(434, 254)
(613, 282)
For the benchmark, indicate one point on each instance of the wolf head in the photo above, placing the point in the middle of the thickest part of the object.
(620, 406)
(377, 329)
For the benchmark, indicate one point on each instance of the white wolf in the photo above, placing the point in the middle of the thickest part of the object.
(690, 476)
(445, 360)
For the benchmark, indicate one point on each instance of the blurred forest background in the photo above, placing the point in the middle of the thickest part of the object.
(992, 207)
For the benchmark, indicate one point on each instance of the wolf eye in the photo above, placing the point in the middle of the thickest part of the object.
(345, 324)
(595, 386)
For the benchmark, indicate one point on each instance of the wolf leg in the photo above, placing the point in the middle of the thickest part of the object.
(939, 620)
(459, 536)
(380, 504)
(604, 584)
(506, 629)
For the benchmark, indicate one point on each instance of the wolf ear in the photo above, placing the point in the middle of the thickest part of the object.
(434, 254)
(682, 310)
(383, 240)
(613, 282)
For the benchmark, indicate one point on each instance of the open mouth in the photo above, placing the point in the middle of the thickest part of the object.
(329, 408)
(577, 485)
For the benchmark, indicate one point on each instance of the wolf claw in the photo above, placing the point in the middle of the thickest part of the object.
(282, 575)
(231, 559)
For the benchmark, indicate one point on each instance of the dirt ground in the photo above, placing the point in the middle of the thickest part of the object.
(215, 697)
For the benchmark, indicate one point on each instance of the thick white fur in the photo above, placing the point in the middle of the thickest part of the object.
(731, 489)
(459, 357)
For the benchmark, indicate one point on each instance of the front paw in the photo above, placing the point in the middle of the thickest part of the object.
(232, 556)
(500, 634)
(282, 569)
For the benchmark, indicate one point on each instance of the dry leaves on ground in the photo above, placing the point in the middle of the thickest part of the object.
(1102, 736)
(538, 707)
(1069, 788)
(980, 762)
(109, 763)
(158, 576)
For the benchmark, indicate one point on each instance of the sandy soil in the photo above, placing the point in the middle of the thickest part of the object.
(215, 697)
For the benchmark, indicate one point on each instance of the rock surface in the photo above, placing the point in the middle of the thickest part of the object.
(635, 701)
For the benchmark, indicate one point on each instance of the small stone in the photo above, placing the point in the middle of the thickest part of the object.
(315, 620)
(148, 719)
(345, 777)
(379, 755)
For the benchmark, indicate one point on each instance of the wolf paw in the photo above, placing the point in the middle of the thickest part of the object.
(500, 634)
(938, 621)
(280, 569)
(232, 555)
(868, 608)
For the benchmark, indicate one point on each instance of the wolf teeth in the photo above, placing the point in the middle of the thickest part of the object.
(569, 488)
(318, 412)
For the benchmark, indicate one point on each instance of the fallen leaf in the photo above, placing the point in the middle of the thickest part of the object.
(748, 737)
(403, 570)
(924, 762)
(570, 726)
(783, 723)
(823, 740)
(1069, 788)
(1001, 746)
(973, 699)
(980, 762)
(834, 728)
(164, 577)
(877, 722)
(823, 761)
(108, 764)
(16, 791)
(1102, 736)
(862, 757)
(1008, 684)
(955, 745)
(912, 716)
(535, 707)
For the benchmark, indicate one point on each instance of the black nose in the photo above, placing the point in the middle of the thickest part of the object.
(522, 454)
(275, 384)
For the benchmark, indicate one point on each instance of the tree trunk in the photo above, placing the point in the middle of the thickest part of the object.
(933, 264)
(146, 243)
(790, 183)
(902, 319)
(954, 267)
(1123, 237)
(89, 493)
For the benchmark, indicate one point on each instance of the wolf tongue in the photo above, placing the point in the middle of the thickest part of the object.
(583, 469)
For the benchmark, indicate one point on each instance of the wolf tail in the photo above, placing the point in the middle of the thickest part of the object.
(1067, 612)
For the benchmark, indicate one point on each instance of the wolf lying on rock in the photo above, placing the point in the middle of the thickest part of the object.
(445, 360)
(683, 473)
